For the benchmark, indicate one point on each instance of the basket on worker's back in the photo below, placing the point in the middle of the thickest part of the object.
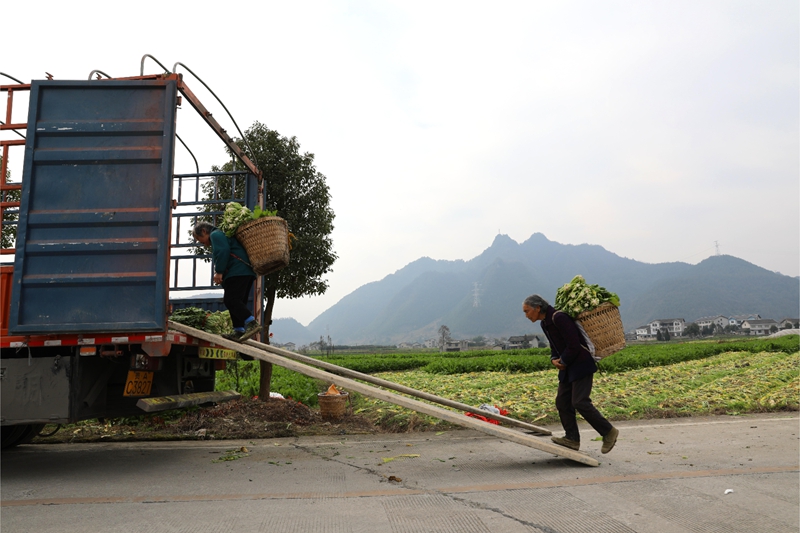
(603, 325)
(266, 241)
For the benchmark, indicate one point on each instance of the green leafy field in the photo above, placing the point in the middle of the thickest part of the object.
(641, 381)
(729, 383)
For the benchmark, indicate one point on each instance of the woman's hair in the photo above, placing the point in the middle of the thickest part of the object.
(534, 300)
(203, 228)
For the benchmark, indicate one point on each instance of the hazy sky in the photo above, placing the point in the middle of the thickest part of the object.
(652, 129)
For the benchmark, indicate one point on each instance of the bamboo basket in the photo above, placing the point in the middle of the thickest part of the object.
(603, 325)
(333, 406)
(266, 241)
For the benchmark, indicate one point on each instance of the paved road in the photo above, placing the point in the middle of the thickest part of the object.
(664, 476)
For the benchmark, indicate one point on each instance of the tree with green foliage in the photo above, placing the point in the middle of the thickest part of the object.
(692, 330)
(666, 335)
(9, 232)
(478, 341)
(773, 328)
(659, 337)
(292, 186)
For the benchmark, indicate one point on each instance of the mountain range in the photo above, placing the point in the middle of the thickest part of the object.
(483, 296)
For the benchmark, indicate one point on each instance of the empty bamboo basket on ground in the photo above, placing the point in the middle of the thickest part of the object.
(266, 241)
(603, 325)
(333, 406)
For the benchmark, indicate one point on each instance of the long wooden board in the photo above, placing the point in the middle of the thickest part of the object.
(374, 392)
(399, 388)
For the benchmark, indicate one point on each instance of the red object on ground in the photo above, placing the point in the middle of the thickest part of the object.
(495, 422)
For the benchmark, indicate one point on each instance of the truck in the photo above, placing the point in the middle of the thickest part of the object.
(101, 243)
(101, 225)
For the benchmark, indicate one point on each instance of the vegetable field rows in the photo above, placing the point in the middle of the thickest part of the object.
(729, 383)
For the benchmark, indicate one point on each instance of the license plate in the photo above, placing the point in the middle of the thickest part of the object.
(207, 352)
(138, 383)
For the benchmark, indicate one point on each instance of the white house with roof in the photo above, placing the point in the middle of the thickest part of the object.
(759, 326)
(718, 320)
(674, 326)
(789, 323)
(521, 341)
(643, 333)
(455, 346)
(736, 320)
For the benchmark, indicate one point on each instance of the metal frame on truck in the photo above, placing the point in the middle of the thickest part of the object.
(98, 213)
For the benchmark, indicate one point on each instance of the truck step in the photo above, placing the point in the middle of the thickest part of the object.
(162, 403)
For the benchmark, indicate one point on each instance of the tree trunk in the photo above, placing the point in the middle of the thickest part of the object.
(265, 378)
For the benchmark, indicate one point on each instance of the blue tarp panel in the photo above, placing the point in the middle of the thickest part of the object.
(93, 239)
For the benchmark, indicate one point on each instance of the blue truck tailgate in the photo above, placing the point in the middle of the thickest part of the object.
(93, 239)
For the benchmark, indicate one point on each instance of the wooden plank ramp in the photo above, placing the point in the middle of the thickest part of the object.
(346, 372)
(272, 355)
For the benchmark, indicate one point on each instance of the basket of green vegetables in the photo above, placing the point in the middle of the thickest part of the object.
(264, 236)
(596, 310)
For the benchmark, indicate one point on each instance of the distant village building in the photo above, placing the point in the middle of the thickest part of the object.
(521, 341)
(643, 333)
(717, 320)
(455, 346)
(789, 323)
(288, 346)
(736, 320)
(674, 326)
(759, 326)
(410, 346)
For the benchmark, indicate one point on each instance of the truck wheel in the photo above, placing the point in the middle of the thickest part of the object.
(11, 436)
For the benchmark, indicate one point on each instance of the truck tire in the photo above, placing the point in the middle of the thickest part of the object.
(11, 436)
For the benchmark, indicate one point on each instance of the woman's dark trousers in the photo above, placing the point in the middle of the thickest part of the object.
(575, 396)
(237, 290)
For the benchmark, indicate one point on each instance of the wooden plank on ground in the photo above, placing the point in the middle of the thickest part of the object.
(409, 403)
(162, 403)
(399, 388)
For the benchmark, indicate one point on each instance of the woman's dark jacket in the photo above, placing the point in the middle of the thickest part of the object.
(567, 344)
(224, 249)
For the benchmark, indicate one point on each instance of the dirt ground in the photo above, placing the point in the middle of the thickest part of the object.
(238, 419)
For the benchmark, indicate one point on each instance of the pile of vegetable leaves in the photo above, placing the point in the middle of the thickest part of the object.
(236, 214)
(578, 296)
(217, 323)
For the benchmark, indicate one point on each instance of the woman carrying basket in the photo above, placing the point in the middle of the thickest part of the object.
(576, 373)
(232, 270)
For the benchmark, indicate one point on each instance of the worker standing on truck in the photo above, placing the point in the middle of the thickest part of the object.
(232, 270)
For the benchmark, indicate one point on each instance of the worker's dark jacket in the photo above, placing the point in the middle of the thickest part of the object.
(567, 344)
(230, 258)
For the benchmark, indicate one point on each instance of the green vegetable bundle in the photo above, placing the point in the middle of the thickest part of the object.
(236, 214)
(577, 296)
(190, 316)
(217, 323)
